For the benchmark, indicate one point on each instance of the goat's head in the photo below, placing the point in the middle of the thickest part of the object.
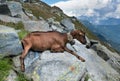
(79, 35)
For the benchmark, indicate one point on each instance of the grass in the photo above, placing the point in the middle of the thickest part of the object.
(21, 77)
(5, 66)
(87, 77)
(22, 34)
(42, 10)
(16, 26)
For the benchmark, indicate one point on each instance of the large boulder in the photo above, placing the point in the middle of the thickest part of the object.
(9, 41)
(14, 7)
(11, 8)
(56, 67)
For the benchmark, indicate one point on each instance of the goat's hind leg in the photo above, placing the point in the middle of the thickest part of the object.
(22, 57)
(73, 53)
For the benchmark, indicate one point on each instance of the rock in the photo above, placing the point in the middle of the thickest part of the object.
(31, 1)
(2, 1)
(67, 24)
(98, 69)
(11, 8)
(29, 59)
(12, 76)
(4, 9)
(91, 43)
(54, 25)
(111, 57)
(36, 26)
(56, 67)
(6, 18)
(9, 41)
(14, 7)
(29, 14)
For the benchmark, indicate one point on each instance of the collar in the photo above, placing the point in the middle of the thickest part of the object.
(69, 37)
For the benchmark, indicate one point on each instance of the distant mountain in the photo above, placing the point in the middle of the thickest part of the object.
(99, 21)
(107, 33)
(110, 21)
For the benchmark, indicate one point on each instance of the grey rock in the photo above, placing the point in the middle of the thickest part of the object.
(16, 62)
(4, 9)
(56, 28)
(6, 18)
(55, 25)
(67, 24)
(11, 8)
(9, 41)
(111, 57)
(36, 26)
(98, 69)
(14, 7)
(12, 76)
(3, 1)
(56, 67)
(29, 59)
(29, 14)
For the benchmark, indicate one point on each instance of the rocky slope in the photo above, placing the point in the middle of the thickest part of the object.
(101, 63)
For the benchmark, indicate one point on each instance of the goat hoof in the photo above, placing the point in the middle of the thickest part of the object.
(83, 60)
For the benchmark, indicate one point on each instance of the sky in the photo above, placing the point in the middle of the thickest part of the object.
(98, 8)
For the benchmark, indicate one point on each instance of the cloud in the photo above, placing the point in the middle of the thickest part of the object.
(97, 8)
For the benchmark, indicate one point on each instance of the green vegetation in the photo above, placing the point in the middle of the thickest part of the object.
(22, 34)
(17, 26)
(87, 77)
(5, 66)
(21, 77)
(42, 10)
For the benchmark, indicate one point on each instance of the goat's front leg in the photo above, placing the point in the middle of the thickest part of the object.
(73, 53)
(22, 57)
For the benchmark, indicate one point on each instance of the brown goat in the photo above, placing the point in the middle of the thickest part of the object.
(51, 40)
